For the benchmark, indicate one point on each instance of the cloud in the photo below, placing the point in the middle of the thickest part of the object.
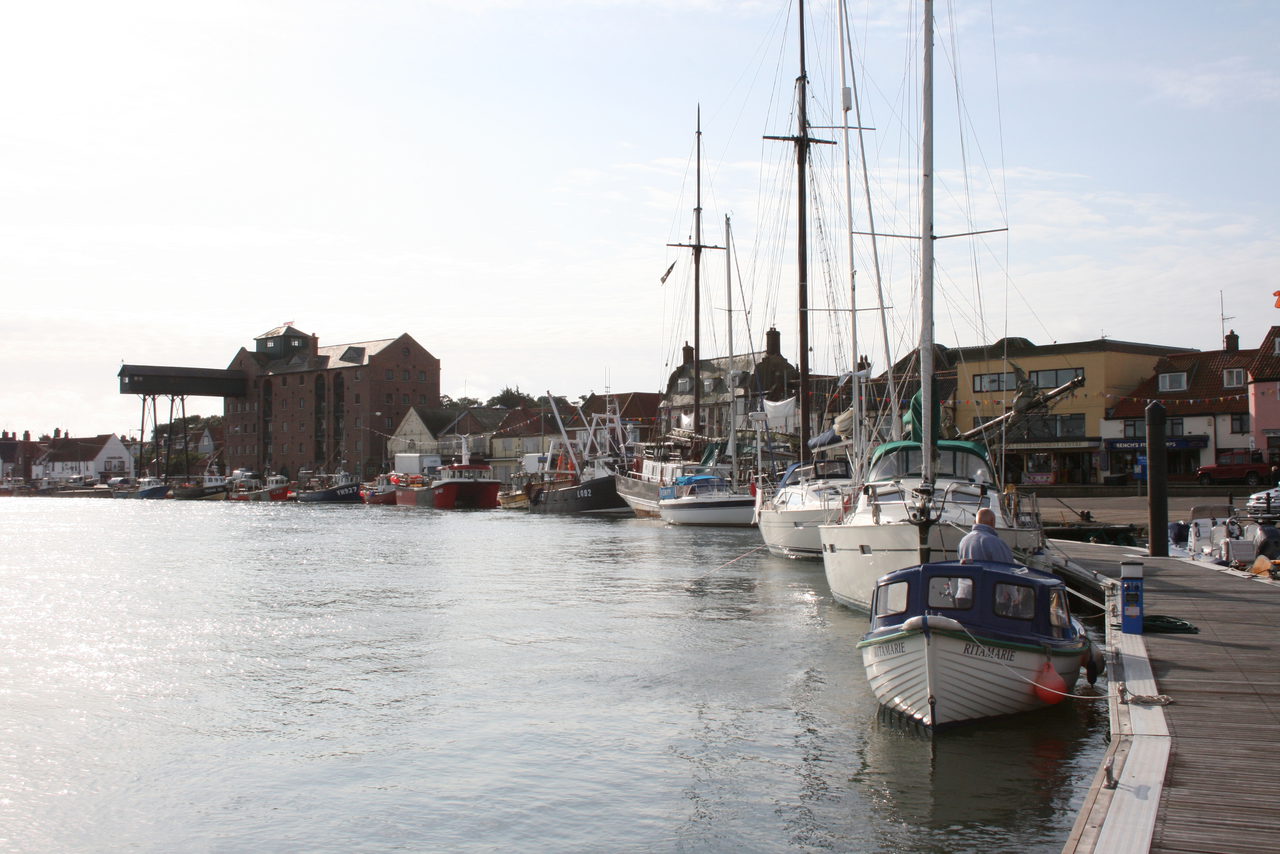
(1224, 83)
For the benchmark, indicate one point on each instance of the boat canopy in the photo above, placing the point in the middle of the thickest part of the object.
(956, 459)
(699, 480)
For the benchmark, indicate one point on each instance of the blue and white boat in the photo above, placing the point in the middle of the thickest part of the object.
(705, 499)
(952, 642)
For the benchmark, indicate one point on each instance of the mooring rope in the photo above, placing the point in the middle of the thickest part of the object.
(731, 562)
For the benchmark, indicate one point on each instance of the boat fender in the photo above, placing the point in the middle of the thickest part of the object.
(1095, 665)
(932, 621)
(1050, 686)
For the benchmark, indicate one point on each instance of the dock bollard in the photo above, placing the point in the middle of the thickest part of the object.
(1131, 597)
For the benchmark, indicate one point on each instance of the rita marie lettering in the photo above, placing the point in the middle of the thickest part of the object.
(894, 648)
(988, 652)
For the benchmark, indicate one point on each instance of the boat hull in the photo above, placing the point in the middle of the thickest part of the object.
(200, 493)
(595, 497)
(794, 533)
(641, 495)
(414, 496)
(966, 676)
(718, 510)
(461, 495)
(274, 493)
(346, 493)
(370, 496)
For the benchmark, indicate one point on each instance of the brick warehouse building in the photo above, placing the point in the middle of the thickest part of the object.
(324, 408)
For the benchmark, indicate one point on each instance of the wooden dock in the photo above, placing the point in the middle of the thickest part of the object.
(1196, 774)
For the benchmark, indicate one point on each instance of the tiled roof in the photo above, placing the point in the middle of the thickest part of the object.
(359, 353)
(70, 450)
(1205, 393)
(1265, 366)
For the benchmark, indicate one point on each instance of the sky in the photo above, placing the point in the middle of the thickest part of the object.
(501, 179)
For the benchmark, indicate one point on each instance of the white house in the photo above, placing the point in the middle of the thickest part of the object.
(97, 458)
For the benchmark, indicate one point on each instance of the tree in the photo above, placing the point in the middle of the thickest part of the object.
(458, 404)
(511, 398)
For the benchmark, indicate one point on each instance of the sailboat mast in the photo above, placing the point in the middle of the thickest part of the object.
(926, 256)
(846, 102)
(697, 289)
(733, 400)
(802, 241)
(697, 247)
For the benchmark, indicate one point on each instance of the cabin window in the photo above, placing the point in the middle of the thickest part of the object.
(892, 598)
(1059, 613)
(954, 592)
(1017, 601)
(1233, 377)
(1174, 382)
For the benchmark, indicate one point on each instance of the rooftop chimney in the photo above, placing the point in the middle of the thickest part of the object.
(773, 342)
(1231, 342)
(688, 354)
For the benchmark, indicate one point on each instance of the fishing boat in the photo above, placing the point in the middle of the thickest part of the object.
(381, 491)
(337, 488)
(705, 499)
(203, 487)
(578, 477)
(465, 485)
(152, 487)
(951, 642)
(921, 493)
(274, 487)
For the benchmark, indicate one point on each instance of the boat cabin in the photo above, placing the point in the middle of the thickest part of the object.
(957, 460)
(999, 600)
(838, 469)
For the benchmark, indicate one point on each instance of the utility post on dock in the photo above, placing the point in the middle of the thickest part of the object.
(1157, 482)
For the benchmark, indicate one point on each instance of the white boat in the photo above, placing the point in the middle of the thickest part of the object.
(641, 486)
(901, 519)
(705, 499)
(808, 495)
(1217, 533)
(814, 492)
(954, 642)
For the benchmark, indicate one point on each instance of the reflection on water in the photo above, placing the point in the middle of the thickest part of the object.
(232, 677)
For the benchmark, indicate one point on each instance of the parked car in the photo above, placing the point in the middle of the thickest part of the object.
(1246, 466)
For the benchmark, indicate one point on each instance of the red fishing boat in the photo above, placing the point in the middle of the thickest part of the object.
(381, 491)
(465, 485)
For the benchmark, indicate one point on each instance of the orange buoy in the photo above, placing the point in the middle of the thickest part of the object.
(1050, 686)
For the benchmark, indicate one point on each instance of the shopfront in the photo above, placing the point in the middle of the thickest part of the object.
(1126, 459)
(1043, 463)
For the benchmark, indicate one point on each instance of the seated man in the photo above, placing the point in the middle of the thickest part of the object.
(983, 543)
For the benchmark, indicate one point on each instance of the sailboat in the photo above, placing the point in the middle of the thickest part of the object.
(811, 492)
(921, 494)
(704, 497)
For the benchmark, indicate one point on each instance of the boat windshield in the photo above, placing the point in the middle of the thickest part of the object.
(952, 463)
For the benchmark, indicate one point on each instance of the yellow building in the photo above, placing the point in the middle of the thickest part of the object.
(1062, 444)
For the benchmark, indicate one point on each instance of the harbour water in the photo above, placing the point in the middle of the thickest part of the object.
(227, 677)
